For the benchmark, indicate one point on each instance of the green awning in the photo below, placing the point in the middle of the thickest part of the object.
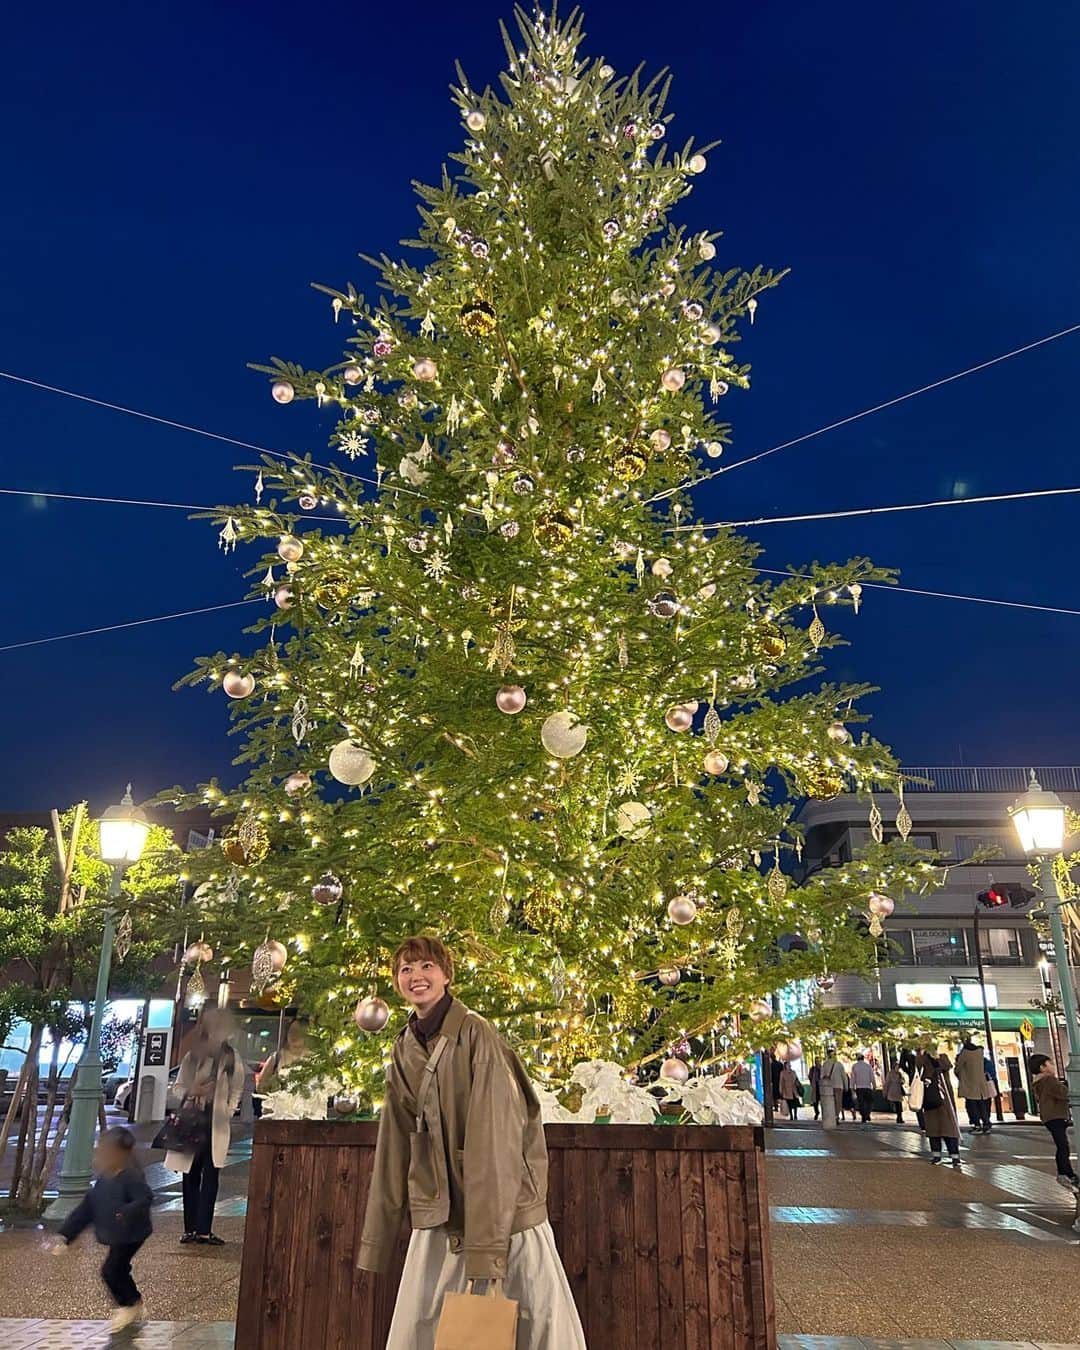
(1004, 1018)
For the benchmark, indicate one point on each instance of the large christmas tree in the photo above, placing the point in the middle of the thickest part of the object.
(572, 724)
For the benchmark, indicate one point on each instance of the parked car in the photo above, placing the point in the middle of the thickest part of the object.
(122, 1100)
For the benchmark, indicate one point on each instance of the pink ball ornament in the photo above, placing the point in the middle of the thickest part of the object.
(425, 369)
(826, 982)
(352, 375)
(198, 951)
(238, 685)
(715, 762)
(283, 597)
(328, 890)
(297, 782)
(372, 1014)
(760, 1009)
(782, 1051)
(673, 379)
(281, 391)
(682, 909)
(276, 953)
(674, 1071)
(880, 905)
(510, 699)
(679, 718)
(660, 439)
(836, 731)
(794, 1049)
(669, 976)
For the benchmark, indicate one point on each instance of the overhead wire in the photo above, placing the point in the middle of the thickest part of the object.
(131, 623)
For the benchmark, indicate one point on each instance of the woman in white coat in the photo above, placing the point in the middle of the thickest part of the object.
(211, 1078)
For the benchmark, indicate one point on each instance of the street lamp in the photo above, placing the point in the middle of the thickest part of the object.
(123, 831)
(1039, 817)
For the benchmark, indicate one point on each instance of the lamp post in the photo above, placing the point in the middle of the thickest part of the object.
(123, 831)
(1039, 818)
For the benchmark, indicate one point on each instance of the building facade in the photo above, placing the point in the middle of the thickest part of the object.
(961, 813)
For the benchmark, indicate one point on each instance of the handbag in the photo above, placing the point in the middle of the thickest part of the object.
(916, 1093)
(478, 1321)
(932, 1098)
(187, 1130)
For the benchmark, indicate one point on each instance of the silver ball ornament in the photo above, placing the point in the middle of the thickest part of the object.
(664, 605)
(510, 699)
(281, 391)
(668, 975)
(715, 762)
(238, 685)
(836, 731)
(345, 1106)
(283, 597)
(697, 164)
(371, 1014)
(682, 909)
(307, 502)
(711, 335)
(706, 250)
(328, 890)
(475, 120)
(826, 982)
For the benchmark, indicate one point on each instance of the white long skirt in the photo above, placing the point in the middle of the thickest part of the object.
(547, 1317)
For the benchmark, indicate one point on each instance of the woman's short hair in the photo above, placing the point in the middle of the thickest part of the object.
(424, 949)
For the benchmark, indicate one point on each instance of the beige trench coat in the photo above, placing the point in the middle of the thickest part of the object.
(227, 1094)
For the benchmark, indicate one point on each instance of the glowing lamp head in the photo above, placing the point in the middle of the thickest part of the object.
(1039, 817)
(123, 831)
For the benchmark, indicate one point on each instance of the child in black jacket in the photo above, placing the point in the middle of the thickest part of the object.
(118, 1206)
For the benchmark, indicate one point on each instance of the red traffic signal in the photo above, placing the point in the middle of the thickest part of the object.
(992, 898)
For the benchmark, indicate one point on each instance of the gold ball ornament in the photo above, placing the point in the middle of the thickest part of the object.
(682, 909)
(629, 464)
(822, 782)
(371, 1014)
(679, 718)
(715, 762)
(290, 548)
(673, 379)
(478, 319)
(332, 592)
(238, 685)
(563, 735)
(475, 120)
(246, 843)
(836, 731)
(350, 763)
(674, 1071)
(769, 643)
(297, 782)
(425, 369)
(510, 699)
(633, 820)
(553, 530)
(281, 391)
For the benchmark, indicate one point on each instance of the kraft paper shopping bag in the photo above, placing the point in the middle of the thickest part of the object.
(478, 1322)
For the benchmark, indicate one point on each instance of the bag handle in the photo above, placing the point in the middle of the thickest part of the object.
(428, 1079)
(494, 1289)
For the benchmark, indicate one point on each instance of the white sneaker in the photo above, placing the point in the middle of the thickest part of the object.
(1069, 1183)
(123, 1318)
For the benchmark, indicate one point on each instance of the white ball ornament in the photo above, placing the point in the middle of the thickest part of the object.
(716, 762)
(794, 1049)
(290, 548)
(673, 379)
(660, 439)
(697, 164)
(706, 250)
(674, 1071)
(563, 736)
(281, 391)
(475, 120)
(238, 685)
(371, 1014)
(510, 699)
(839, 733)
(352, 374)
(351, 764)
(425, 369)
(711, 335)
(682, 909)
(714, 449)
(679, 718)
(633, 820)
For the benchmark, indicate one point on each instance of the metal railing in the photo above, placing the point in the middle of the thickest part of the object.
(993, 778)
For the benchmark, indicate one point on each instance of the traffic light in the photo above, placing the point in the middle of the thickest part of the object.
(992, 898)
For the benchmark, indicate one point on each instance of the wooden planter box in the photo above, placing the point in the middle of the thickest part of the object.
(663, 1232)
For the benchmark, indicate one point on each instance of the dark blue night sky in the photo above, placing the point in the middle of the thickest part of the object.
(174, 176)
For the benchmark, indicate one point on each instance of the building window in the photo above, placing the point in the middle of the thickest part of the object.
(1000, 946)
(967, 845)
(927, 841)
(899, 941)
(939, 946)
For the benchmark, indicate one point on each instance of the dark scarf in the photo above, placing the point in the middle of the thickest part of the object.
(425, 1029)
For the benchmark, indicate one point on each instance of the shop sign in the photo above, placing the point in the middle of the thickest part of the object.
(971, 995)
(924, 995)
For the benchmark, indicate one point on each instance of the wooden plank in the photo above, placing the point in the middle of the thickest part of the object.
(740, 1220)
(762, 1312)
(669, 1250)
(256, 1248)
(598, 1265)
(348, 1323)
(646, 1281)
(575, 1248)
(620, 1207)
(555, 1191)
(299, 1243)
(280, 1233)
(319, 1248)
(718, 1220)
(695, 1255)
(696, 1138)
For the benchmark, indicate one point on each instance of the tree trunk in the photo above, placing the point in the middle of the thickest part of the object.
(13, 1106)
(28, 1126)
(37, 1179)
(52, 1155)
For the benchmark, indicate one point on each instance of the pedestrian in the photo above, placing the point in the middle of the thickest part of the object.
(833, 1085)
(972, 1083)
(862, 1083)
(268, 1079)
(815, 1087)
(208, 1088)
(118, 1207)
(461, 1149)
(938, 1107)
(1054, 1113)
(791, 1090)
(895, 1090)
